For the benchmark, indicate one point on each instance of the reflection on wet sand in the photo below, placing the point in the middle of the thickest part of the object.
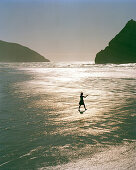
(40, 110)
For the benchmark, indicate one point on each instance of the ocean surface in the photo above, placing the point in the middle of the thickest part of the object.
(41, 127)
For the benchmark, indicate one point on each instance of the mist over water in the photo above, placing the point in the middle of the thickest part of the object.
(41, 127)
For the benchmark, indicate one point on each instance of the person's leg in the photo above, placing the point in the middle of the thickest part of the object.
(79, 107)
(85, 107)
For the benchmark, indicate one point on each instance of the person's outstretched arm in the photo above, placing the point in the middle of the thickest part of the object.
(85, 96)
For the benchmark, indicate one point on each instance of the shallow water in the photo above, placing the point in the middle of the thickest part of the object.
(41, 127)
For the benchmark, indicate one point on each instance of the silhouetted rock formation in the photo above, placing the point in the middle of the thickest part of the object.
(122, 48)
(12, 52)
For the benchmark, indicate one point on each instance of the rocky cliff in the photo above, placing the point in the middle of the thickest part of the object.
(12, 52)
(122, 48)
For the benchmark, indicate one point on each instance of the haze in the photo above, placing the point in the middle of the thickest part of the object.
(64, 30)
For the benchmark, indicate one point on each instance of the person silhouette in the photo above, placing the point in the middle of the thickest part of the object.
(81, 102)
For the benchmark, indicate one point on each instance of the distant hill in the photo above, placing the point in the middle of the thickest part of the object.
(13, 52)
(122, 48)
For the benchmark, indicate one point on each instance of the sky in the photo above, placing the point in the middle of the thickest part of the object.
(64, 30)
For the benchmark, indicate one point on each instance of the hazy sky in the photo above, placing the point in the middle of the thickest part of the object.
(64, 30)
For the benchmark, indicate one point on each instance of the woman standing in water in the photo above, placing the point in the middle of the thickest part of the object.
(82, 101)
